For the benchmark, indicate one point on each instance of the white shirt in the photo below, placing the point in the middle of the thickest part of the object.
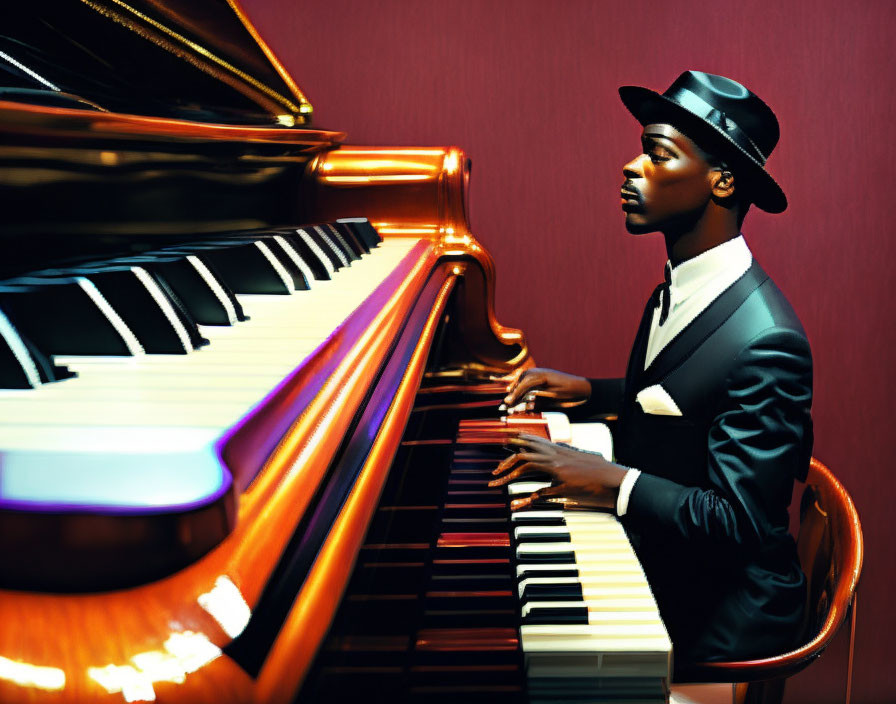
(694, 284)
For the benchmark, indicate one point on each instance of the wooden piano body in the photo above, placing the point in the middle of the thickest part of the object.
(191, 130)
(97, 182)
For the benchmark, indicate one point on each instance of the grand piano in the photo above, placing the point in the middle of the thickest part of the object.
(249, 400)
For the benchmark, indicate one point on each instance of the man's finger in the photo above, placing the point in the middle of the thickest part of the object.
(509, 462)
(526, 501)
(525, 384)
(534, 442)
(509, 378)
(517, 473)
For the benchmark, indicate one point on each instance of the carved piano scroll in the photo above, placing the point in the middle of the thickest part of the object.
(422, 192)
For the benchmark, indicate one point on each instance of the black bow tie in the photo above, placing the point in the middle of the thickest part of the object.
(662, 294)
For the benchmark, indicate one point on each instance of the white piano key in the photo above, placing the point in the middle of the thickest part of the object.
(594, 437)
(525, 488)
(631, 581)
(559, 427)
(522, 533)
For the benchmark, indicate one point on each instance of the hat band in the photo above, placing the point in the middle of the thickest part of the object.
(692, 102)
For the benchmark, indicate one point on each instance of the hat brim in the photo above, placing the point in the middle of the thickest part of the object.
(649, 106)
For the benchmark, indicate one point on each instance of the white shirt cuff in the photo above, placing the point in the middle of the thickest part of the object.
(625, 490)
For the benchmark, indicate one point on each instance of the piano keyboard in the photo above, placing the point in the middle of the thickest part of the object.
(589, 624)
(144, 432)
(457, 597)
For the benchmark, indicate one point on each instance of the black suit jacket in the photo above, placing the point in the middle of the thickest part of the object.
(708, 516)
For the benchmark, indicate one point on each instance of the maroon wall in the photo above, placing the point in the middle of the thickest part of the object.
(528, 89)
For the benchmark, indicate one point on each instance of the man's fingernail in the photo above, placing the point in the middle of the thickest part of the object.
(518, 503)
(493, 482)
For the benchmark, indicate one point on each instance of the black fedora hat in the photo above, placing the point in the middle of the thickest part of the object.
(723, 118)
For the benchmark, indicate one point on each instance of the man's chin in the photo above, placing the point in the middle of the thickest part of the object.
(638, 228)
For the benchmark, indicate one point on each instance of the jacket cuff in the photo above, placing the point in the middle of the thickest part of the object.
(654, 498)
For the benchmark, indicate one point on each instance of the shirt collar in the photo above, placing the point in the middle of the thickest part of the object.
(725, 261)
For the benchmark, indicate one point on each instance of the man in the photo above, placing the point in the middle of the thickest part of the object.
(714, 420)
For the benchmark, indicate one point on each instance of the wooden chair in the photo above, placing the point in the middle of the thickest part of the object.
(830, 551)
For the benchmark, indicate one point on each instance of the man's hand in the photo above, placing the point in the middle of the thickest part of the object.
(580, 479)
(562, 389)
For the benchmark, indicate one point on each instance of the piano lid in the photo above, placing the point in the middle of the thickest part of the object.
(187, 59)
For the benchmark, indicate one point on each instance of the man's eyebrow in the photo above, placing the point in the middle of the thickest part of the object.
(652, 137)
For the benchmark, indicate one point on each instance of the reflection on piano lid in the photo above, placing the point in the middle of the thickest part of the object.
(207, 63)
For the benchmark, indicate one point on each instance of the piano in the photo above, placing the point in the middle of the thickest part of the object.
(249, 400)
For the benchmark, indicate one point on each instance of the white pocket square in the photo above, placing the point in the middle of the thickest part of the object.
(657, 401)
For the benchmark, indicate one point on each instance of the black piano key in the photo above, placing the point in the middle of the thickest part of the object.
(401, 526)
(205, 295)
(546, 614)
(523, 572)
(468, 567)
(145, 308)
(311, 254)
(364, 230)
(380, 613)
(349, 235)
(22, 365)
(542, 534)
(189, 323)
(461, 599)
(484, 496)
(559, 591)
(470, 618)
(481, 580)
(247, 266)
(473, 525)
(344, 245)
(388, 577)
(287, 254)
(67, 316)
(545, 558)
(327, 246)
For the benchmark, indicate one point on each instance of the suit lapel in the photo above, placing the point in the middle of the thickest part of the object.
(639, 348)
(700, 328)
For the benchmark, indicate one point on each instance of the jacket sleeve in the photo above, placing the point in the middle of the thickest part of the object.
(605, 398)
(759, 440)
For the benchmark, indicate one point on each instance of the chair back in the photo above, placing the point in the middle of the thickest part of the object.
(830, 550)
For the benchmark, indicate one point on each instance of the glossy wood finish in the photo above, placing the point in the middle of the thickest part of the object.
(22, 119)
(316, 603)
(163, 639)
(831, 547)
(421, 192)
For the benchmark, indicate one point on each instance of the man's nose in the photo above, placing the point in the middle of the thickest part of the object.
(633, 168)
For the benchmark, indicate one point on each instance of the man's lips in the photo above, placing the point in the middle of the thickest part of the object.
(631, 201)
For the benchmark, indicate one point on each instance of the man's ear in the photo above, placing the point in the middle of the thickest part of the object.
(722, 181)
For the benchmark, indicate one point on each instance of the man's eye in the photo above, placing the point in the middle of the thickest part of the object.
(657, 158)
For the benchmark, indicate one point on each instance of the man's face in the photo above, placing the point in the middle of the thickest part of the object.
(668, 184)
